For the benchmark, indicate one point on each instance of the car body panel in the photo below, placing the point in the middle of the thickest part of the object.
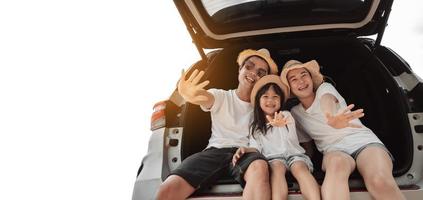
(206, 31)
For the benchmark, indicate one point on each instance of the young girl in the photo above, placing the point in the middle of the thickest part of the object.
(273, 134)
(338, 133)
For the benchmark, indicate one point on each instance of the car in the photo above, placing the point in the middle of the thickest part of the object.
(343, 36)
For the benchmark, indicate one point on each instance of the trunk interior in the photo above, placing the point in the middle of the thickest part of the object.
(358, 75)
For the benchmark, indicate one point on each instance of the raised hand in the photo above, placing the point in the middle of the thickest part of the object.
(190, 90)
(343, 118)
(278, 120)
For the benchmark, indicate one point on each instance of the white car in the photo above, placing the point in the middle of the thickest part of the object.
(334, 32)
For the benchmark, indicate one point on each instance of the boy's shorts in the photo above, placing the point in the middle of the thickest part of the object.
(355, 143)
(204, 168)
(288, 161)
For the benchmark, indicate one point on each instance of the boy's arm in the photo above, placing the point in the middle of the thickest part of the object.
(193, 91)
(336, 117)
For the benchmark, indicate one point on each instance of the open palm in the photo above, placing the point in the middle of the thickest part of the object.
(278, 120)
(343, 117)
(190, 90)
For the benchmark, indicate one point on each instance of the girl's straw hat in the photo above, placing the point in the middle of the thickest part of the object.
(265, 80)
(311, 66)
(262, 53)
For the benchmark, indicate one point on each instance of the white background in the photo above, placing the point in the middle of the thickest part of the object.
(78, 80)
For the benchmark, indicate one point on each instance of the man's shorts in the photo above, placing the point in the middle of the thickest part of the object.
(288, 161)
(355, 143)
(204, 168)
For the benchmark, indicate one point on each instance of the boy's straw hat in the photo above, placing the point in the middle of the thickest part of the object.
(265, 80)
(262, 53)
(311, 66)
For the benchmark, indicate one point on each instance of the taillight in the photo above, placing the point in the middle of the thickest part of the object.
(158, 118)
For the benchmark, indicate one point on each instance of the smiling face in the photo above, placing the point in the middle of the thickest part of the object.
(252, 70)
(300, 83)
(270, 101)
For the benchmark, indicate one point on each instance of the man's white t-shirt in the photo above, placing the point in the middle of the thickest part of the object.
(278, 141)
(231, 118)
(313, 123)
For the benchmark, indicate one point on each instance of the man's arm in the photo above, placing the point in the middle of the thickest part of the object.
(337, 117)
(193, 91)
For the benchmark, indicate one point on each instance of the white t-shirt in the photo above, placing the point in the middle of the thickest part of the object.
(313, 123)
(230, 118)
(278, 141)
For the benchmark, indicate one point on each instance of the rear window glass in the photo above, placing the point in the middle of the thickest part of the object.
(228, 16)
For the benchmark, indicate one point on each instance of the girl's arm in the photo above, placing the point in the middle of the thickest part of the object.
(336, 117)
(240, 152)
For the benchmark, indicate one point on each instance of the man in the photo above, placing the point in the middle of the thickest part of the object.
(346, 144)
(231, 114)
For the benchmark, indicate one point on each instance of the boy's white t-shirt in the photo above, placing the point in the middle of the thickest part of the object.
(278, 141)
(312, 123)
(231, 118)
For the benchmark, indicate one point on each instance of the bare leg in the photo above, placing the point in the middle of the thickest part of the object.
(278, 180)
(338, 167)
(257, 181)
(175, 188)
(375, 165)
(308, 185)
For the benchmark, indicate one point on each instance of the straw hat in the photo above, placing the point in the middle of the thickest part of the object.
(262, 53)
(311, 66)
(265, 80)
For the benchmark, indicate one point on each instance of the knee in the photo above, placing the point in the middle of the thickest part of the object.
(278, 167)
(381, 182)
(165, 191)
(299, 167)
(339, 165)
(169, 188)
(258, 169)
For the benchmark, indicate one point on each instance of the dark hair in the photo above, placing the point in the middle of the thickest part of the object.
(259, 121)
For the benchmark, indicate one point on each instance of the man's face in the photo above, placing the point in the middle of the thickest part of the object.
(253, 69)
(300, 82)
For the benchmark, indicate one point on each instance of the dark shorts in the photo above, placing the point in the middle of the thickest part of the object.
(204, 168)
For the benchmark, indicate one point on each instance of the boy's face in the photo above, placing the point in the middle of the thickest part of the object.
(253, 69)
(270, 102)
(300, 82)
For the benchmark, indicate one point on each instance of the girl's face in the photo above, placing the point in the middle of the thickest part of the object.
(270, 102)
(300, 82)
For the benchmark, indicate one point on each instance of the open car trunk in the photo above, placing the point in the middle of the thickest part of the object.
(360, 77)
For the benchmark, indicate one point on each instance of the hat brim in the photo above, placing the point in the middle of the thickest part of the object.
(249, 52)
(311, 66)
(265, 80)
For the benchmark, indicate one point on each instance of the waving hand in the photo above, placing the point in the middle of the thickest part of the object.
(191, 90)
(278, 120)
(343, 117)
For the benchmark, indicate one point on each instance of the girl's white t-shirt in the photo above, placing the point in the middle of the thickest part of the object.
(312, 122)
(278, 141)
(230, 118)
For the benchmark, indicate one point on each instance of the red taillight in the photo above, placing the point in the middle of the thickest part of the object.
(158, 118)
